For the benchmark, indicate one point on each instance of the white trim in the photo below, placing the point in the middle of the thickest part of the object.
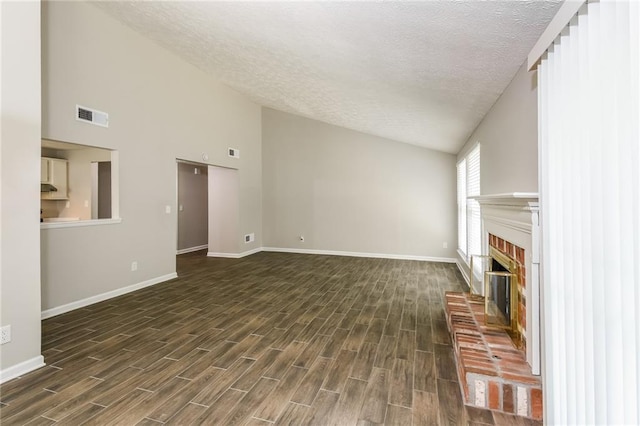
(235, 255)
(520, 200)
(465, 275)
(21, 368)
(512, 224)
(359, 254)
(192, 249)
(105, 296)
(78, 223)
(566, 12)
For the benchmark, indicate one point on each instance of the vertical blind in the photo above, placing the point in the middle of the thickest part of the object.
(589, 141)
(469, 228)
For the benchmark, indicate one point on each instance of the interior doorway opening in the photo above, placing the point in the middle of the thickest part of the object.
(193, 206)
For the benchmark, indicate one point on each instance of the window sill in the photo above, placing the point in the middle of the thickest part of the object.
(79, 223)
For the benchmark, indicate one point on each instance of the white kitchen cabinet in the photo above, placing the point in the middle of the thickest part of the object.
(54, 172)
(44, 170)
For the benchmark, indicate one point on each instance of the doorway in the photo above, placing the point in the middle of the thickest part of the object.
(193, 207)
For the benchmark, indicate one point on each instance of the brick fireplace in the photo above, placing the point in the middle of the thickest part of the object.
(510, 225)
(497, 370)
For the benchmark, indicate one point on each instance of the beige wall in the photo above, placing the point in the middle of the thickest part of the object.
(160, 108)
(193, 208)
(509, 138)
(508, 135)
(19, 179)
(348, 191)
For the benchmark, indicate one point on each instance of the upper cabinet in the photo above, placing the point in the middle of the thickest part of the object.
(44, 170)
(53, 171)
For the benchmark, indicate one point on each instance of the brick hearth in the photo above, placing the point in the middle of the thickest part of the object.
(493, 373)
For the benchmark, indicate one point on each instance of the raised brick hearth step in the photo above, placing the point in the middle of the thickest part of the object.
(493, 373)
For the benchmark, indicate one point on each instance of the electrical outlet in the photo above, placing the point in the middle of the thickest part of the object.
(5, 334)
(445, 245)
(134, 266)
(302, 238)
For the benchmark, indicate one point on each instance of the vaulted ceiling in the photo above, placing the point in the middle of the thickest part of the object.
(423, 73)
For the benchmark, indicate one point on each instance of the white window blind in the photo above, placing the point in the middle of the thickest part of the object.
(473, 207)
(462, 206)
(469, 227)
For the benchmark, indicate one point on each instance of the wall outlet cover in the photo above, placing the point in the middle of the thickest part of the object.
(5, 334)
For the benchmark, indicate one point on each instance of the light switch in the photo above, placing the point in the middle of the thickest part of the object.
(167, 209)
(86, 203)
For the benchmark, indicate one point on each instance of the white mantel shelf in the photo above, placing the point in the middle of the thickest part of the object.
(511, 199)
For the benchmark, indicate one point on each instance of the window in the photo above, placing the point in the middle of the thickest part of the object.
(469, 227)
(462, 206)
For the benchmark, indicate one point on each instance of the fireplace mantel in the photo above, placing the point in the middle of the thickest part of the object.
(516, 210)
(523, 200)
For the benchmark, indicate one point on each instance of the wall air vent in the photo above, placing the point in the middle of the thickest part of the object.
(234, 153)
(92, 116)
(249, 238)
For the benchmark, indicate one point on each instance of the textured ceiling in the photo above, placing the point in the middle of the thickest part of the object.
(423, 73)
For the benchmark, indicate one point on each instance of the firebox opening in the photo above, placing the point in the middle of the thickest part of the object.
(501, 292)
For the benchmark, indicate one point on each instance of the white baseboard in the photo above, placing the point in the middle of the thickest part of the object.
(22, 368)
(359, 254)
(192, 249)
(235, 255)
(105, 296)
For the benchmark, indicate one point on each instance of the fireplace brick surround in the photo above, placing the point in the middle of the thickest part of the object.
(494, 371)
(516, 253)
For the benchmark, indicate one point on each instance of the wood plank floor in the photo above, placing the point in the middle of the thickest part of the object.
(269, 339)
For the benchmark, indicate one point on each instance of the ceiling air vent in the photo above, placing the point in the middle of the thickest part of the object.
(92, 116)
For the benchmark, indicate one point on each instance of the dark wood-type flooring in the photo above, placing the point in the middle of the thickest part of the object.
(271, 338)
